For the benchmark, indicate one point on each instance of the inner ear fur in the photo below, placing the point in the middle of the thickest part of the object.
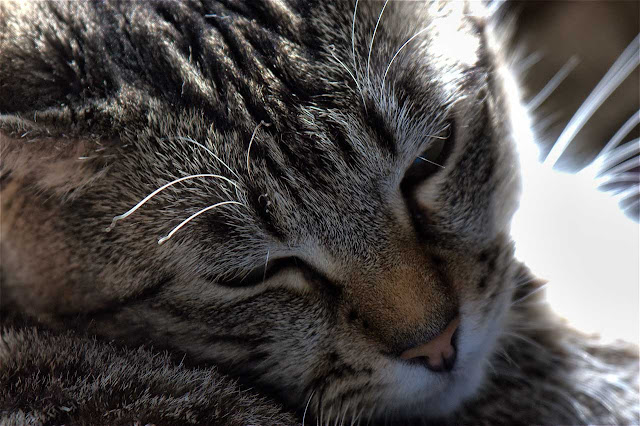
(56, 164)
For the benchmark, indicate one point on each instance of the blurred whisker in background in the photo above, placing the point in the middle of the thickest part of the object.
(578, 221)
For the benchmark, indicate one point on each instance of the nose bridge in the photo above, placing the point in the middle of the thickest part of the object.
(408, 301)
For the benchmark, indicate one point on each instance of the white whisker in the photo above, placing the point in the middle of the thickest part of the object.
(526, 340)
(495, 6)
(553, 84)
(631, 177)
(397, 53)
(253, 135)
(373, 38)
(489, 364)
(617, 155)
(344, 415)
(358, 416)
(524, 65)
(431, 162)
(353, 43)
(531, 293)
(193, 216)
(625, 166)
(619, 71)
(162, 188)
(504, 354)
(628, 194)
(304, 414)
(626, 128)
(190, 140)
(266, 263)
(332, 50)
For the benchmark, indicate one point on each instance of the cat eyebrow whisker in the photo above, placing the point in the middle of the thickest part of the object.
(193, 216)
(162, 188)
(332, 49)
(398, 52)
(190, 140)
(253, 135)
(373, 37)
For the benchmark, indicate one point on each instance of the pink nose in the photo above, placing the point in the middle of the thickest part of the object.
(439, 351)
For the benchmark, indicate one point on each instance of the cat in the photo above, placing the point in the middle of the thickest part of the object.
(315, 197)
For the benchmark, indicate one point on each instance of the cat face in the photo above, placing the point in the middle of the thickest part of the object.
(324, 203)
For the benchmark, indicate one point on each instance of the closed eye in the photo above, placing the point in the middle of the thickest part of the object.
(259, 274)
(263, 273)
(431, 161)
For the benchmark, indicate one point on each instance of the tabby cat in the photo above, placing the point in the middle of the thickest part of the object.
(313, 196)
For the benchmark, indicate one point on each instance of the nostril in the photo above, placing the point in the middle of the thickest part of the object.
(439, 352)
(445, 363)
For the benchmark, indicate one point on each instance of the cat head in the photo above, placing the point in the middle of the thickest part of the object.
(314, 197)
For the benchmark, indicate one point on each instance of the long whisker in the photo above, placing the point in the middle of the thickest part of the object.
(619, 178)
(332, 50)
(397, 53)
(431, 162)
(628, 195)
(344, 415)
(623, 131)
(553, 84)
(353, 41)
(193, 216)
(526, 340)
(304, 414)
(531, 293)
(190, 140)
(625, 166)
(264, 275)
(495, 6)
(357, 419)
(373, 37)
(162, 188)
(617, 155)
(523, 66)
(253, 135)
(619, 71)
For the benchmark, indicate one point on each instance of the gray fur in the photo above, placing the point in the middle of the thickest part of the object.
(101, 104)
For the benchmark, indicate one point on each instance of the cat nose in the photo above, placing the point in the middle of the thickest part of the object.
(439, 352)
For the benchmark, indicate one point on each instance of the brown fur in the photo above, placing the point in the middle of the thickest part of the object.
(331, 256)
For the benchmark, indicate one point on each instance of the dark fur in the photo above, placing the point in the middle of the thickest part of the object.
(100, 104)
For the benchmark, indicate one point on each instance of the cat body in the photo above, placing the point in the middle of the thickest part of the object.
(252, 185)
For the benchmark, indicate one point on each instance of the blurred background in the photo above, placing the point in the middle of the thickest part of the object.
(547, 35)
(567, 231)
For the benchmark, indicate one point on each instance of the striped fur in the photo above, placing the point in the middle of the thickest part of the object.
(300, 126)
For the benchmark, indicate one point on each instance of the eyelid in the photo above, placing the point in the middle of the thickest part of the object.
(424, 166)
(259, 274)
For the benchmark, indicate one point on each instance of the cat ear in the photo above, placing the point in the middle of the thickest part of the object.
(53, 162)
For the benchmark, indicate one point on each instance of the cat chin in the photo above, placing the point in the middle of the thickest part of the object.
(423, 394)
(420, 393)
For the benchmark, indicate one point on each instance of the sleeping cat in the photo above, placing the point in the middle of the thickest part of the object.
(313, 196)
